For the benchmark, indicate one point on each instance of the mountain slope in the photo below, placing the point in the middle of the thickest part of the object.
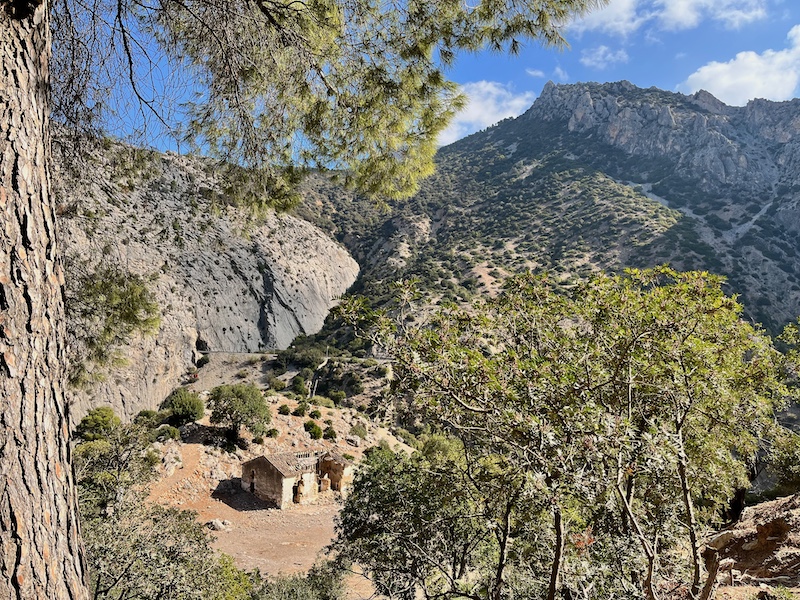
(606, 176)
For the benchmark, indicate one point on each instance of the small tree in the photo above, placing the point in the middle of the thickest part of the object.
(186, 406)
(314, 430)
(97, 424)
(237, 406)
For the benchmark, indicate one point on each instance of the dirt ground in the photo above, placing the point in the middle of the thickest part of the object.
(271, 540)
(205, 479)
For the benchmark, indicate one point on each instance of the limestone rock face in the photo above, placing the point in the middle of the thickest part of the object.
(750, 147)
(223, 281)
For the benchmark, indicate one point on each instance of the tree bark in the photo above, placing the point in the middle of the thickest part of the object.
(691, 519)
(555, 568)
(41, 555)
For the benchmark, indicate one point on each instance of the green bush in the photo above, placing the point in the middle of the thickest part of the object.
(276, 383)
(314, 429)
(301, 410)
(97, 424)
(271, 433)
(329, 433)
(151, 418)
(186, 406)
(203, 360)
(166, 432)
(322, 401)
(258, 440)
(359, 429)
(284, 409)
(337, 396)
(315, 414)
(299, 385)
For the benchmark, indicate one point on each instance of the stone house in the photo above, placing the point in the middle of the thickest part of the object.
(296, 477)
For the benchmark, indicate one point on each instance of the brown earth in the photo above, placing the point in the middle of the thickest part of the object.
(205, 479)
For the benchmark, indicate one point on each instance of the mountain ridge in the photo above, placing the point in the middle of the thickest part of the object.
(606, 176)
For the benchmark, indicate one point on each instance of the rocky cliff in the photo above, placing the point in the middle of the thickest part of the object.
(751, 149)
(224, 280)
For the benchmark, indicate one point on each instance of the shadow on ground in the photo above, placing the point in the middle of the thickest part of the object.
(231, 493)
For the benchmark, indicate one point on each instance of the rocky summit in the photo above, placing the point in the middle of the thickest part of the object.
(607, 176)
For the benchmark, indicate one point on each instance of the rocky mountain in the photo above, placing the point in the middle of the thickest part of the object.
(224, 280)
(605, 176)
(592, 176)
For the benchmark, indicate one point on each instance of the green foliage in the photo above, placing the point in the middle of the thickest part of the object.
(128, 560)
(98, 424)
(322, 582)
(284, 409)
(442, 517)
(322, 401)
(301, 354)
(203, 361)
(359, 430)
(237, 406)
(165, 432)
(329, 433)
(150, 418)
(299, 385)
(276, 383)
(139, 549)
(186, 406)
(313, 428)
(107, 468)
(607, 423)
(106, 306)
(300, 410)
(315, 414)
(271, 433)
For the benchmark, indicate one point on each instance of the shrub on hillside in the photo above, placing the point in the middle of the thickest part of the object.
(186, 406)
(313, 429)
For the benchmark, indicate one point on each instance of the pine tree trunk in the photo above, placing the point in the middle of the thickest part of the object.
(40, 551)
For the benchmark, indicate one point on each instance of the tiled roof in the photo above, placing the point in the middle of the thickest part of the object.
(289, 464)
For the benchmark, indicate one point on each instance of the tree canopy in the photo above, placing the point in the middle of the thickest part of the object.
(604, 427)
(359, 87)
(239, 405)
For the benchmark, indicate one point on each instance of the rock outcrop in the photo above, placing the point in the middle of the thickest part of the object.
(750, 148)
(763, 547)
(224, 281)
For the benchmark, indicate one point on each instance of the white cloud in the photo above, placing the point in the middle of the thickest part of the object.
(602, 57)
(619, 17)
(687, 14)
(773, 74)
(561, 74)
(535, 72)
(489, 102)
(624, 17)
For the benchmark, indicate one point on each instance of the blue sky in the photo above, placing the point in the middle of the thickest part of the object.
(736, 49)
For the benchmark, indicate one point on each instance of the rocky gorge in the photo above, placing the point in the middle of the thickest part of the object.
(224, 280)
